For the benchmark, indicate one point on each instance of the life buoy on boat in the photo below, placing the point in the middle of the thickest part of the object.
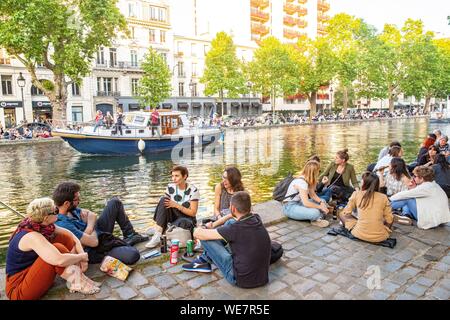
(141, 145)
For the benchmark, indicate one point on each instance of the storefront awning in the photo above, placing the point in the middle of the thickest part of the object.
(235, 104)
(196, 105)
(10, 104)
(208, 104)
(182, 105)
(41, 104)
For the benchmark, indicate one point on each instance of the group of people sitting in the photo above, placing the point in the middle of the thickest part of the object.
(23, 132)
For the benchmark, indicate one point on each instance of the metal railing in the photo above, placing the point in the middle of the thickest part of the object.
(129, 65)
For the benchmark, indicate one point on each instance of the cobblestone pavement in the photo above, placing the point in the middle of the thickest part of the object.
(314, 266)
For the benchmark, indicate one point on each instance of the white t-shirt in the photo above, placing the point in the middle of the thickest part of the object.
(383, 162)
(302, 184)
(183, 197)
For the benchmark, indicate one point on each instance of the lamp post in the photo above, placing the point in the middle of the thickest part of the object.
(331, 99)
(21, 84)
(191, 88)
(249, 86)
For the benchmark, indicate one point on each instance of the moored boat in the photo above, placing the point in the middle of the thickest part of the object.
(136, 138)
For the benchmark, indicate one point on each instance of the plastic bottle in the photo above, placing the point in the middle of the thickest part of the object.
(174, 248)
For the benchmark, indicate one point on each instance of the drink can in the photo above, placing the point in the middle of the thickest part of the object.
(174, 252)
(190, 248)
(163, 244)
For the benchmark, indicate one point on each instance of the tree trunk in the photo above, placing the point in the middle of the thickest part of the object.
(221, 102)
(312, 104)
(59, 101)
(427, 104)
(345, 98)
(272, 101)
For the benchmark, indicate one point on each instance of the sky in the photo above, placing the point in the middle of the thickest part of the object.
(378, 12)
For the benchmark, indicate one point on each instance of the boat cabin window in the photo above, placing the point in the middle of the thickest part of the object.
(170, 124)
(139, 120)
(127, 131)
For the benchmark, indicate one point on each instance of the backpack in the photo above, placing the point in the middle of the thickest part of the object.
(276, 252)
(280, 190)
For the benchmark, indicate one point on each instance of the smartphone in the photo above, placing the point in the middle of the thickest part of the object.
(151, 254)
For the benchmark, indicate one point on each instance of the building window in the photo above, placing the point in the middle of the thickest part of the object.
(4, 57)
(180, 68)
(162, 14)
(101, 56)
(116, 85)
(77, 114)
(193, 49)
(164, 56)
(162, 36)
(6, 85)
(180, 47)
(134, 58)
(205, 49)
(36, 91)
(134, 87)
(76, 89)
(152, 13)
(194, 69)
(194, 90)
(113, 57)
(99, 84)
(132, 9)
(107, 85)
(151, 35)
(10, 117)
(181, 89)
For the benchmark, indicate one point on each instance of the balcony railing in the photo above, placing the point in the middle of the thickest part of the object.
(302, 11)
(108, 93)
(133, 65)
(302, 1)
(321, 28)
(323, 17)
(291, 34)
(258, 15)
(322, 5)
(301, 23)
(5, 61)
(290, 21)
(290, 8)
(259, 29)
(262, 4)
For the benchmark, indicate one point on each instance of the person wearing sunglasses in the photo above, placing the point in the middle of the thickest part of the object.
(427, 159)
(39, 250)
(424, 202)
(231, 183)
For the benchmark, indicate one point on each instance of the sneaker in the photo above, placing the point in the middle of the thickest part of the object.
(404, 220)
(150, 231)
(135, 238)
(198, 265)
(155, 241)
(320, 223)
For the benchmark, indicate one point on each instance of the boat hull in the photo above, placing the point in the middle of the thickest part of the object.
(130, 146)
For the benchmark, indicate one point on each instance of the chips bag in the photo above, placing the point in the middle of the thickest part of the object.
(115, 268)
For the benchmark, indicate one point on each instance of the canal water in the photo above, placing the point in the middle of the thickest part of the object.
(264, 157)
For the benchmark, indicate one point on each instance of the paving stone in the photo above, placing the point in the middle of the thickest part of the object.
(184, 276)
(136, 279)
(425, 282)
(322, 252)
(342, 296)
(176, 269)
(379, 295)
(442, 267)
(445, 283)
(295, 265)
(320, 277)
(114, 283)
(334, 269)
(290, 278)
(333, 259)
(284, 296)
(284, 238)
(292, 254)
(126, 293)
(165, 281)
(283, 231)
(151, 271)
(200, 281)
(306, 271)
(304, 240)
(328, 238)
(402, 276)
(334, 245)
(436, 252)
(178, 292)
(356, 290)
(389, 286)
(329, 288)
(272, 228)
(105, 292)
(404, 256)
(275, 287)
(304, 287)
(416, 290)
(151, 292)
(405, 296)
(314, 296)
(433, 274)
(440, 293)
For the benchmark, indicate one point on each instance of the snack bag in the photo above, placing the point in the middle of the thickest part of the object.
(115, 268)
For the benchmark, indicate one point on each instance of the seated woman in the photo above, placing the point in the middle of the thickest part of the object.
(323, 193)
(179, 205)
(374, 212)
(427, 159)
(397, 179)
(39, 250)
(428, 142)
(297, 205)
(338, 175)
(441, 170)
(231, 183)
(383, 163)
(425, 202)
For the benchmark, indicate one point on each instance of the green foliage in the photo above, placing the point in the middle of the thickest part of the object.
(223, 70)
(63, 35)
(155, 85)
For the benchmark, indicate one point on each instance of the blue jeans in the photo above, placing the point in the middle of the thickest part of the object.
(98, 124)
(408, 206)
(216, 252)
(325, 194)
(296, 211)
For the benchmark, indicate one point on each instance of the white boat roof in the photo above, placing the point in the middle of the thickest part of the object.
(162, 112)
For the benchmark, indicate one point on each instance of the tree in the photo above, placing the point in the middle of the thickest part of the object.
(62, 35)
(343, 33)
(223, 70)
(271, 69)
(155, 85)
(314, 68)
(442, 83)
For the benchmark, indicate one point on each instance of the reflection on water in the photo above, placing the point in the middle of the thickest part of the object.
(264, 156)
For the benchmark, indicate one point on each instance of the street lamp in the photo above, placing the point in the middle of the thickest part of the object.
(191, 87)
(21, 84)
(249, 86)
(331, 99)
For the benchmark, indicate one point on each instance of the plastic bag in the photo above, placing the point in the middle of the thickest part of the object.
(115, 268)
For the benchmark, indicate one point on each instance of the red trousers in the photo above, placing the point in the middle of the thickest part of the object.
(33, 282)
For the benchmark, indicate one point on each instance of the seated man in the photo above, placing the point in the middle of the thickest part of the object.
(179, 205)
(247, 265)
(96, 234)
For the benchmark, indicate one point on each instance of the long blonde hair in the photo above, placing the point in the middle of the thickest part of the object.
(39, 208)
(311, 172)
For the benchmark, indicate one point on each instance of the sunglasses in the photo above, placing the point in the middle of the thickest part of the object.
(54, 212)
